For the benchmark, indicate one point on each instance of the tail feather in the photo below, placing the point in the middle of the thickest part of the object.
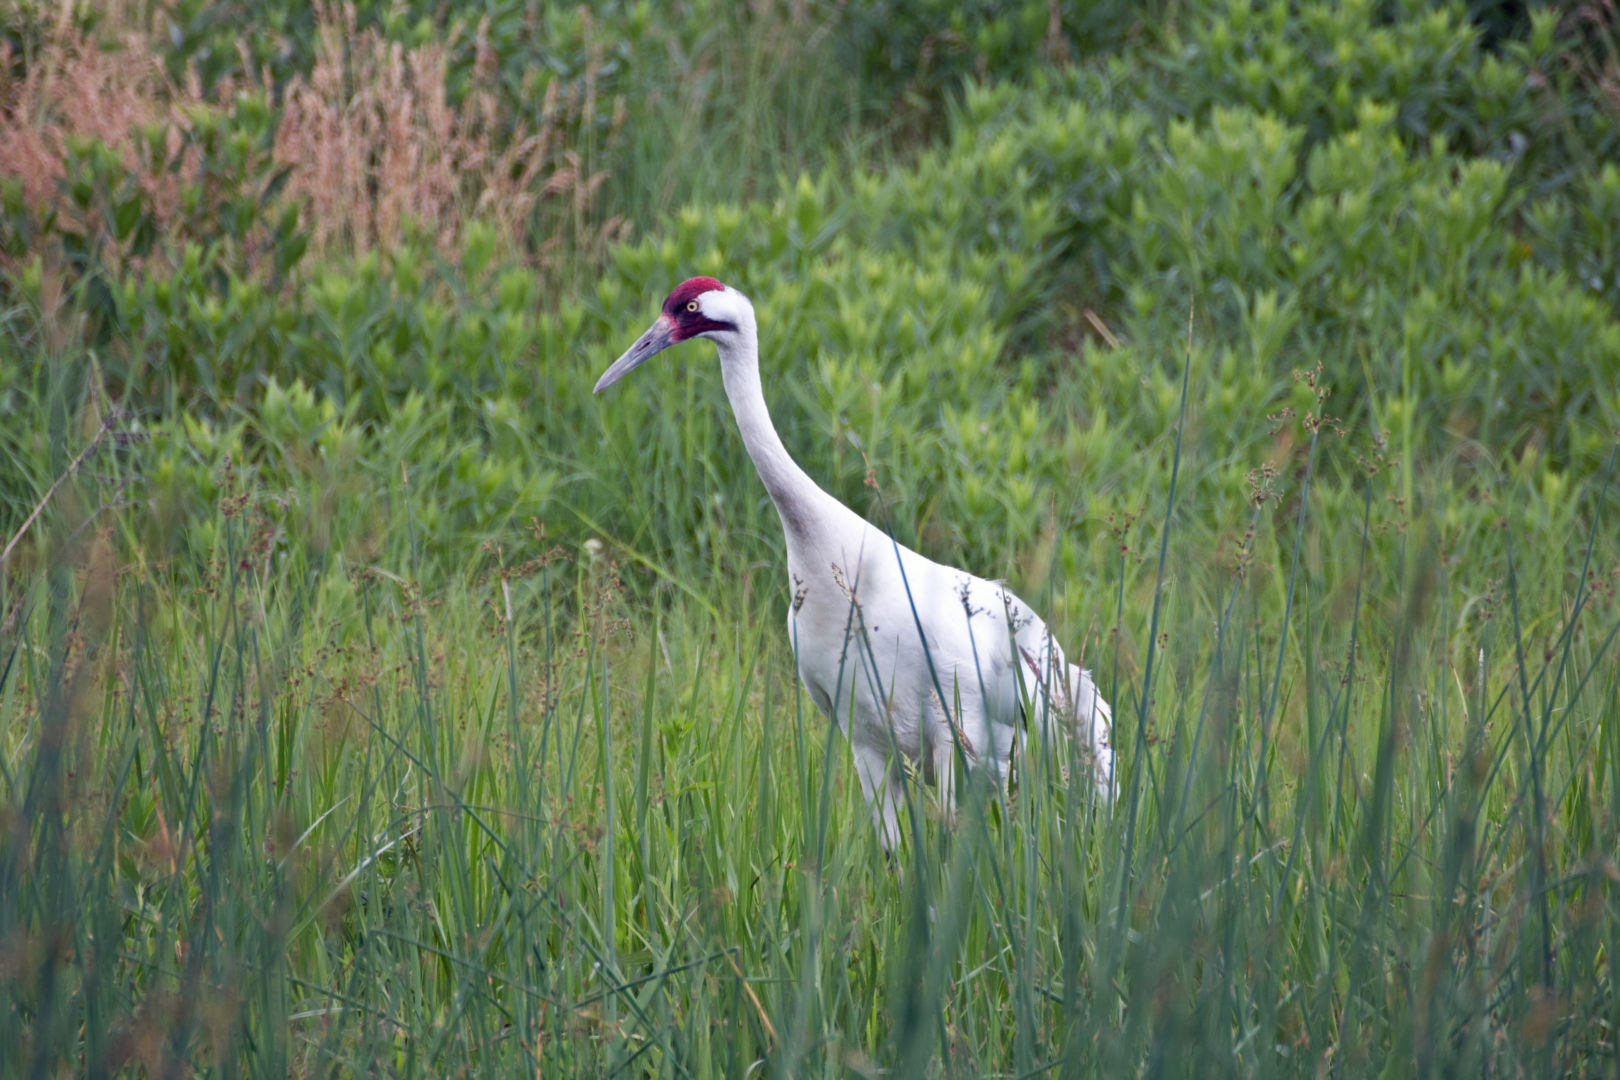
(1073, 696)
(1094, 725)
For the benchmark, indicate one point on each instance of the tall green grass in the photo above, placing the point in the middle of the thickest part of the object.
(297, 815)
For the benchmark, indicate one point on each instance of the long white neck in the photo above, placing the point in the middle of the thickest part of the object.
(799, 502)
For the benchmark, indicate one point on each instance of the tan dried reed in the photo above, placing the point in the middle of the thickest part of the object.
(370, 139)
(374, 141)
(109, 87)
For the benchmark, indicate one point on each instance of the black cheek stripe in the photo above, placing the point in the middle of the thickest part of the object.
(697, 323)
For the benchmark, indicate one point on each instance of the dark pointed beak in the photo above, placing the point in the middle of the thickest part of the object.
(659, 336)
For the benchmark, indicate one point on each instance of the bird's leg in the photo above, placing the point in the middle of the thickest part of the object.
(949, 744)
(882, 794)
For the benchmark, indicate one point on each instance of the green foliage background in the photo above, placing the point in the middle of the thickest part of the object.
(373, 697)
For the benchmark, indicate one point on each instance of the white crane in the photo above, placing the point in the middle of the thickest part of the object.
(908, 657)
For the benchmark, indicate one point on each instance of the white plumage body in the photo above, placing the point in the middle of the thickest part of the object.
(910, 658)
(963, 682)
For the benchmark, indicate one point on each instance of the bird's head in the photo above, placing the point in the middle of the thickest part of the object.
(699, 307)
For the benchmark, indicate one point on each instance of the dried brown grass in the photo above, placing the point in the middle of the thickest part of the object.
(370, 141)
(374, 141)
(110, 87)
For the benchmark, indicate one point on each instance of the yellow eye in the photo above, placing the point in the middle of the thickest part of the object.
(691, 305)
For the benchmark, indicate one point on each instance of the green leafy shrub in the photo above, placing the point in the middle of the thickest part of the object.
(942, 297)
(1317, 65)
